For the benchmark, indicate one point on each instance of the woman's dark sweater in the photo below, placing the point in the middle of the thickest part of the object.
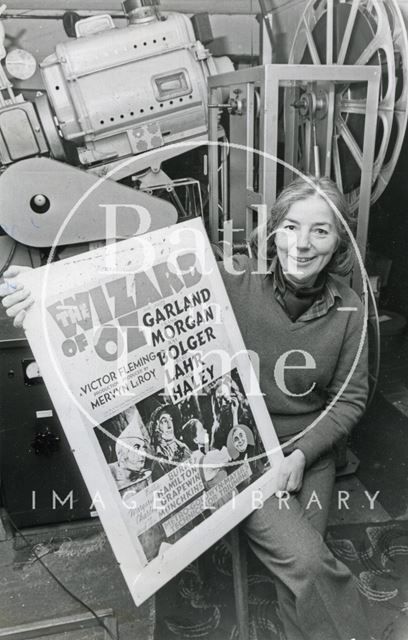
(324, 343)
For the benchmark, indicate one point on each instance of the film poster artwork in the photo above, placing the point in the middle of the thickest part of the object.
(178, 462)
(146, 367)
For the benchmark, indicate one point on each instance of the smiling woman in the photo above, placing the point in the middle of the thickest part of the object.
(304, 328)
(313, 375)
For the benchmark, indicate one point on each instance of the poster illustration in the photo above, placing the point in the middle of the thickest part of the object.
(145, 364)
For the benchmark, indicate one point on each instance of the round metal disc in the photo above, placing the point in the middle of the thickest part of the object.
(356, 32)
(21, 64)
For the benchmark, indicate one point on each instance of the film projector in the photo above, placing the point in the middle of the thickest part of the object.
(124, 117)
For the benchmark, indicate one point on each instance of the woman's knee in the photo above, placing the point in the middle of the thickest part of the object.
(286, 542)
(274, 517)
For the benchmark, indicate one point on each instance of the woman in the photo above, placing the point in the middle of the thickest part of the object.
(305, 325)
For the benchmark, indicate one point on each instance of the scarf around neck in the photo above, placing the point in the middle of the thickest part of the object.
(297, 299)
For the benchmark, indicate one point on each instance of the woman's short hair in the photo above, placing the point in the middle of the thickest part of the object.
(301, 188)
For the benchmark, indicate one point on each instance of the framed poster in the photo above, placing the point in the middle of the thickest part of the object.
(143, 359)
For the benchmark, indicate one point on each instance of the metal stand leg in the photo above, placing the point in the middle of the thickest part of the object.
(240, 578)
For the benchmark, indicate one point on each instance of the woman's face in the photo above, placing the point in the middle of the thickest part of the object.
(306, 240)
(165, 427)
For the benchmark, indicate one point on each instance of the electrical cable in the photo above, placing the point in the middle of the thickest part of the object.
(31, 257)
(58, 581)
(227, 144)
(9, 258)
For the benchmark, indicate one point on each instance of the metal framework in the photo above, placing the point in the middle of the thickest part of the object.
(245, 174)
(359, 33)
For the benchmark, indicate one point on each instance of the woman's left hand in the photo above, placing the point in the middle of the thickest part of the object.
(16, 298)
(290, 476)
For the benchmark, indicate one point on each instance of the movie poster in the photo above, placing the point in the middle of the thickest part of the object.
(143, 359)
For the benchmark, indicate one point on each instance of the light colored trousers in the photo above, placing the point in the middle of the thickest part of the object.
(317, 595)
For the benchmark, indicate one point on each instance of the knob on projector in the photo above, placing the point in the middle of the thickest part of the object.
(40, 200)
(40, 203)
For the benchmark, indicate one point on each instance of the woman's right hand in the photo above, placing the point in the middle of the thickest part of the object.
(291, 470)
(16, 298)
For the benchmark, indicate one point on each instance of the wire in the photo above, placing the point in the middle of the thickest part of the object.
(31, 257)
(58, 581)
(9, 258)
(227, 144)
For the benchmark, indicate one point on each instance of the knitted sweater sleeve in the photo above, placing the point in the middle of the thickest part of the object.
(347, 394)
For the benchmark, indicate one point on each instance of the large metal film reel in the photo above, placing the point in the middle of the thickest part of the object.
(356, 32)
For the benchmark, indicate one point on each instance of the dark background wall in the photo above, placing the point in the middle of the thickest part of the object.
(388, 234)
